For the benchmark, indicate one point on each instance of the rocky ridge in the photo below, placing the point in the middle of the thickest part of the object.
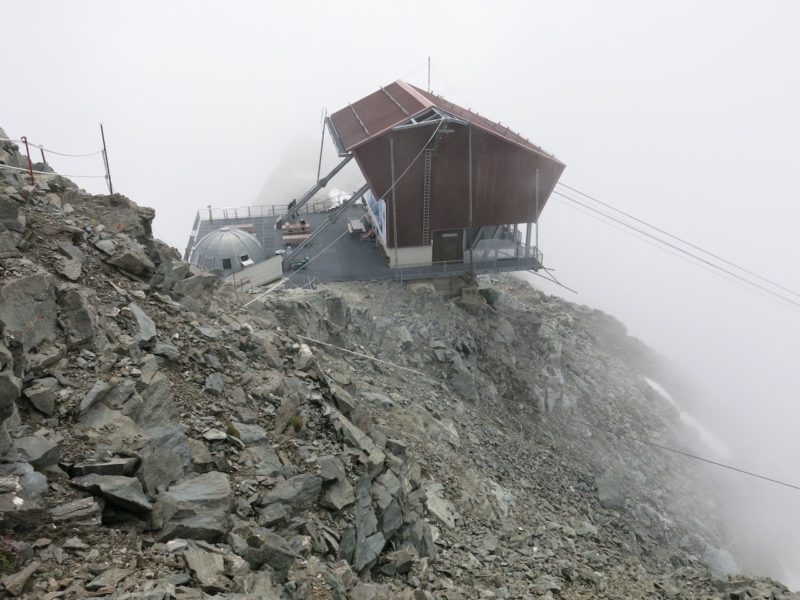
(160, 440)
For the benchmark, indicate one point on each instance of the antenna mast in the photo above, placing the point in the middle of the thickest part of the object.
(429, 74)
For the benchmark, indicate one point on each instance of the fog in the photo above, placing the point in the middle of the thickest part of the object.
(682, 113)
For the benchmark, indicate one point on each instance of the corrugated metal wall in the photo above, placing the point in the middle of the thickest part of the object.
(504, 176)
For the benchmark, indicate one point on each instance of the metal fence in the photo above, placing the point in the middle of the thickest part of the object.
(453, 268)
(273, 210)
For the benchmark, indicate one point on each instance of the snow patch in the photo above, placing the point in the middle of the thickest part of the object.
(709, 439)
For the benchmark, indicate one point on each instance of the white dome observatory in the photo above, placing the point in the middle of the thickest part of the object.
(227, 250)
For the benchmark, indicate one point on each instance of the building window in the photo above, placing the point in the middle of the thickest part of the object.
(226, 264)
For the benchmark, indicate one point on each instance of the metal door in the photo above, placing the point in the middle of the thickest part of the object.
(448, 246)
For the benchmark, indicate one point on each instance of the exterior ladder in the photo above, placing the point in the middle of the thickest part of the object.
(426, 198)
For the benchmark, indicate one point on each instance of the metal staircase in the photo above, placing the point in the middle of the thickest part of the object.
(426, 198)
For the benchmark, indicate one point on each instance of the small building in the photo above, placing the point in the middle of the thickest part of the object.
(448, 192)
(446, 184)
(227, 250)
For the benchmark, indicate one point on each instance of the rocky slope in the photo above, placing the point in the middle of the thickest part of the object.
(162, 440)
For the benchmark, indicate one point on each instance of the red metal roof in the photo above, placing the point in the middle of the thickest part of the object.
(398, 102)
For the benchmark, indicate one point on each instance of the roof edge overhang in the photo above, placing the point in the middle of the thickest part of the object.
(426, 104)
(377, 134)
(337, 141)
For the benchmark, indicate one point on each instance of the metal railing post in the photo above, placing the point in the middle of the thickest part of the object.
(105, 161)
(28, 156)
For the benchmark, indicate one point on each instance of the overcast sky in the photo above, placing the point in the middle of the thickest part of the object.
(685, 113)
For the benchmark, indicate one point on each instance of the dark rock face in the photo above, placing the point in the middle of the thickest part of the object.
(197, 508)
(296, 493)
(125, 492)
(78, 316)
(28, 309)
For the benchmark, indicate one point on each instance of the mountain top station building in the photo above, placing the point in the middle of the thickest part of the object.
(447, 193)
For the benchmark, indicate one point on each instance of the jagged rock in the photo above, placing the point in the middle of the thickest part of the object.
(125, 492)
(331, 468)
(157, 406)
(369, 591)
(267, 548)
(399, 561)
(296, 493)
(215, 435)
(130, 256)
(9, 214)
(196, 286)
(86, 511)
(145, 328)
(438, 506)
(118, 213)
(272, 515)
(214, 385)
(196, 508)
(43, 357)
(288, 410)
(268, 464)
(166, 350)
(10, 389)
(20, 491)
(207, 567)
(108, 579)
(164, 456)
(344, 401)
(78, 315)
(98, 391)
(200, 458)
(367, 551)
(397, 447)
(610, 492)
(259, 585)
(338, 495)
(250, 434)
(387, 493)
(71, 252)
(38, 451)
(353, 435)
(110, 426)
(304, 358)
(42, 395)
(70, 269)
(380, 400)
(106, 246)
(116, 466)
(546, 583)
(28, 309)
(15, 584)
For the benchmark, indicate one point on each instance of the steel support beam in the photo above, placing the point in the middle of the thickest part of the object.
(332, 218)
(295, 209)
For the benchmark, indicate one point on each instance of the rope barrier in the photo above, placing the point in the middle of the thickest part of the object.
(367, 356)
(49, 173)
(65, 154)
(40, 147)
(620, 434)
